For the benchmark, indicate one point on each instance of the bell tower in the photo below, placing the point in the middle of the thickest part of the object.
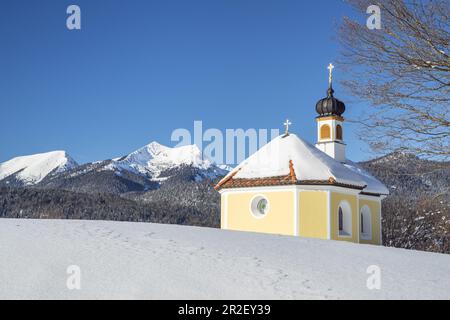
(330, 135)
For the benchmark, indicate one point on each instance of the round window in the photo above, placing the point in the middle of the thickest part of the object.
(259, 206)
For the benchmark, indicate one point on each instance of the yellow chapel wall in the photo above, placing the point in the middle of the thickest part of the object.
(223, 208)
(280, 219)
(335, 199)
(375, 209)
(313, 214)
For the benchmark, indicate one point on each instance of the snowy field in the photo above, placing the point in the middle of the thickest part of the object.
(123, 260)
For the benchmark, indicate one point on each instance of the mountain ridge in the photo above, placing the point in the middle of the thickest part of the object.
(140, 170)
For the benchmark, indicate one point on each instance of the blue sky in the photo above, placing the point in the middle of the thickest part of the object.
(137, 70)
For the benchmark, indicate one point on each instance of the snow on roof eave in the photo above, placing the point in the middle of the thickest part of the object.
(371, 190)
(373, 185)
(336, 170)
(280, 181)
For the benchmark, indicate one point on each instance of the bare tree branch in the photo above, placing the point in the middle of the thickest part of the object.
(403, 71)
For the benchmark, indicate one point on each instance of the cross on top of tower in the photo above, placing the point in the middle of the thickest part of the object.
(330, 106)
(286, 124)
(330, 77)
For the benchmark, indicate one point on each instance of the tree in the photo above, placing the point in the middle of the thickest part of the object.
(403, 71)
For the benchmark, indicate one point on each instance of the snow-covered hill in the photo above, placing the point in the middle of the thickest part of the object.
(32, 169)
(149, 261)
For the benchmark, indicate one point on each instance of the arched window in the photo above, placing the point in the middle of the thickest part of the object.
(345, 219)
(339, 132)
(362, 223)
(366, 223)
(325, 132)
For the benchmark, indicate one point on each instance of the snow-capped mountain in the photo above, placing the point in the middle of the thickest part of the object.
(144, 169)
(157, 157)
(32, 169)
(154, 159)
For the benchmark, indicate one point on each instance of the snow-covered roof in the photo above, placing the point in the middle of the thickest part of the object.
(300, 162)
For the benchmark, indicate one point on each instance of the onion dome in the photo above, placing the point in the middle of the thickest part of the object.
(330, 106)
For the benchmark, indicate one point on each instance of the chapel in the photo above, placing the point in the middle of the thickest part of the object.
(291, 187)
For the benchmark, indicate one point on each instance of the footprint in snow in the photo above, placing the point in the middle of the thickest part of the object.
(150, 234)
